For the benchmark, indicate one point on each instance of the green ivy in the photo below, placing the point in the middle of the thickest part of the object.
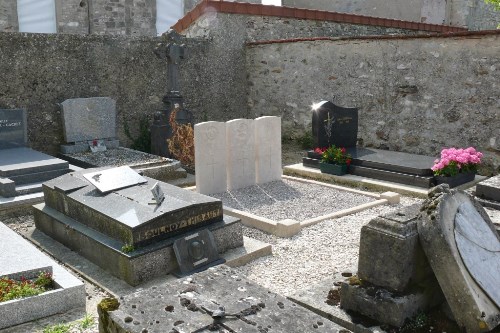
(143, 141)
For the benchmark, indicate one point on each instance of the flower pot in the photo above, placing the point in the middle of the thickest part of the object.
(333, 169)
(454, 181)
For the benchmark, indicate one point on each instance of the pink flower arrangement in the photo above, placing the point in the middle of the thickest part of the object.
(454, 161)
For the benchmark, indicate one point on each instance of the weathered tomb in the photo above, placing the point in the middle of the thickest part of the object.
(335, 125)
(397, 281)
(463, 249)
(19, 258)
(22, 169)
(217, 300)
(124, 229)
(488, 192)
(90, 135)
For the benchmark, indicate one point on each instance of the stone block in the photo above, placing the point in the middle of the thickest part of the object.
(210, 157)
(489, 189)
(386, 307)
(7, 187)
(392, 197)
(390, 255)
(86, 119)
(20, 257)
(287, 228)
(463, 249)
(240, 138)
(267, 149)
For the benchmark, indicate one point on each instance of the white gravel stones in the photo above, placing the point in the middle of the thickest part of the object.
(316, 253)
(286, 199)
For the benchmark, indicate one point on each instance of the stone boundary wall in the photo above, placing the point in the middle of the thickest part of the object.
(414, 94)
(39, 71)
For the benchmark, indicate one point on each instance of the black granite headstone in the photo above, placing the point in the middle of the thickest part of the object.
(13, 128)
(334, 125)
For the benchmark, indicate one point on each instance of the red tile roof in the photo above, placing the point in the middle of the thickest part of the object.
(245, 8)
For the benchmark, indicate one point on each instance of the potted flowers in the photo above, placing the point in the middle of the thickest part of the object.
(456, 166)
(334, 160)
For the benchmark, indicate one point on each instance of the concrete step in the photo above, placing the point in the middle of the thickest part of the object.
(34, 177)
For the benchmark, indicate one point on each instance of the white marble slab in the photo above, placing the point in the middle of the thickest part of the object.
(240, 138)
(267, 149)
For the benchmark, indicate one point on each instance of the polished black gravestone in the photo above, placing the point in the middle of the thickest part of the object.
(125, 231)
(217, 300)
(334, 125)
(22, 169)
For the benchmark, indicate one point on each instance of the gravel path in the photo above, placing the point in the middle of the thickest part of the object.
(287, 199)
(316, 253)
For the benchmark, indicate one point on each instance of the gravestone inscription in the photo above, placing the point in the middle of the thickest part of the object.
(334, 125)
(13, 128)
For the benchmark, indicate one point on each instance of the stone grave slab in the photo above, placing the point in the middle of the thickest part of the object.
(469, 285)
(86, 119)
(126, 231)
(210, 157)
(13, 128)
(489, 189)
(267, 149)
(114, 179)
(20, 257)
(240, 138)
(334, 125)
(22, 169)
(214, 300)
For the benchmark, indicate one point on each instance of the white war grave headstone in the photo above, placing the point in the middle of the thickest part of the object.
(240, 134)
(210, 157)
(267, 149)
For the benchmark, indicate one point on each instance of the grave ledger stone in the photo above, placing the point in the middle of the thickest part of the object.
(21, 168)
(125, 230)
(217, 300)
(463, 249)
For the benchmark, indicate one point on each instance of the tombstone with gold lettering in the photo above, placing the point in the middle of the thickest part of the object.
(111, 217)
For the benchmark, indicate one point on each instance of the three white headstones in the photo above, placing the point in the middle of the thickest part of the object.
(237, 154)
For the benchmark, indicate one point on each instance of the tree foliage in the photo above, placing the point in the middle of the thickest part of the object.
(495, 3)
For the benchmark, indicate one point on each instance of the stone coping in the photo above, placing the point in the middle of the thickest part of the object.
(374, 184)
(21, 256)
(289, 227)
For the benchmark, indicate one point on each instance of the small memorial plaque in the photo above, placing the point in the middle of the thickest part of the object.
(196, 252)
(158, 194)
(13, 133)
(97, 146)
(114, 179)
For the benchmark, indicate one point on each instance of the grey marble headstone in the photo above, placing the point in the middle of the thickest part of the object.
(114, 179)
(13, 128)
(86, 119)
(334, 125)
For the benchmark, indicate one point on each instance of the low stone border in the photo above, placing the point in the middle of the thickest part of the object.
(69, 292)
(289, 227)
(369, 183)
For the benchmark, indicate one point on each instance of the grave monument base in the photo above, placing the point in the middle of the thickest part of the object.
(145, 263)
(404, 168)
(23, 169)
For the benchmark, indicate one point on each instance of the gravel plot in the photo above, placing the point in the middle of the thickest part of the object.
(316, 253)
(119, 156)
(288, 199)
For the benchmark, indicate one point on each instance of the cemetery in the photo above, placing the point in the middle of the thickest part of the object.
(255, 169)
